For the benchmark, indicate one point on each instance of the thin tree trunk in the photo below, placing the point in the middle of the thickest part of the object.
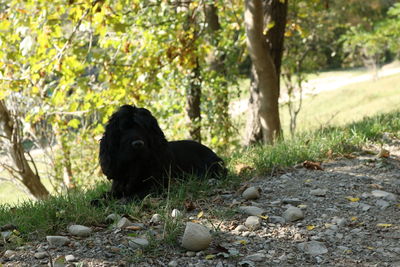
(193, 104)
(265, 83)
(22, 168)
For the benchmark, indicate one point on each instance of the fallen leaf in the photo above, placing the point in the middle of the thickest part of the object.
(376, 186)
(384, 225)
(264, 217)
(354, 218)
(242, 168)
(310, 227)
(133, 228)
(243, 242)
(353, 199)
(383, 153)
(200, 214)
(210, 257)
(312, 165)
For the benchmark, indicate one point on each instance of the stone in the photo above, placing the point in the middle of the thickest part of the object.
(112, 218)
(257, 257)
(339, 221)
(176, 213)
(9, 253)
(40, 255)
(79, 230)
(138, 243)
(276, 219)
(252, 210)
(57, 241)
(253, 222)
(124, 222)
(384, 194)
(251, 193)
(313, 248)
(318, 192)
(196, 237)
(364, 207)
(291, 201)
(155, 219)
(293, 214)
(382, 203)
(70, 258)
(240, 228)
(173, 264)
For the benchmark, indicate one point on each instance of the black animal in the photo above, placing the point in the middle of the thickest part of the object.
(137, 157)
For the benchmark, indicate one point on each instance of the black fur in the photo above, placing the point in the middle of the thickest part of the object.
(137, 157)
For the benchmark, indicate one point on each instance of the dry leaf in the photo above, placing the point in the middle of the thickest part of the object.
(384, 225)
(242, 168)
(210, 257)
(189, 205)
(310, 227)
(133, 228)
(312, 165)
(383, 153)
(353, 199)
(200, 214)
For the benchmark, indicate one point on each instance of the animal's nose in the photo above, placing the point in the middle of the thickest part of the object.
(137, 144)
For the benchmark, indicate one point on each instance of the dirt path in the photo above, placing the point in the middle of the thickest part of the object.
(350, 217)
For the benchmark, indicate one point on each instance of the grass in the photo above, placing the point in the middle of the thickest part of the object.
(348, 104)
(34, 220)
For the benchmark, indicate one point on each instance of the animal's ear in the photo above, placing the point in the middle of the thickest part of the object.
(152, 125)
(109, 147)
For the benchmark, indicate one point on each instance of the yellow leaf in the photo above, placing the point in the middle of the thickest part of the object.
(310, 227)
(210, 257)
(354, 218)
(264, 217)
(243, 242)
(370, 248)
(353, 199)
(384, 225)
(201, 213)
(308, 181)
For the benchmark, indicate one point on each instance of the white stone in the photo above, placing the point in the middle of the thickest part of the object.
(196, 237)
(155, 219)
(9, 253)
(293, 214)
(382, 203)
(251, 193)
(57, 241)
(253, 222)
(313, 248)
(70, 258)
(173, 264)
(240, 228)
(252, 210)
(175, 213)
(79, 230)
(113, 217)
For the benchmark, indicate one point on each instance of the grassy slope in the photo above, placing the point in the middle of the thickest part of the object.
(348, 104)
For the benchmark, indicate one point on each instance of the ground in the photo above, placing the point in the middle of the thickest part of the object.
(351, 215)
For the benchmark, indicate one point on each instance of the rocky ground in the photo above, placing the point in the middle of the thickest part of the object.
(344, 212)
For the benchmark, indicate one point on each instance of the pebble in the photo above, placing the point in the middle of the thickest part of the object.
(276, 219)
(318, 192)
(112, 217)
(196, 237)
(364, 207)
(176, 213)
(293, 214)
(79, 230)
(173, 264)
(123, 223)
(155, 219)
(70, 258)
(252, 210)
(253, 222)
(138, 242)
(9, 253)
(257, 257)
(57, 241)
(292, 201)
(240, 228)
(251, 193)
(382, 203)
(384, 194)
(40, 255)
(313, 248)
(339, 221)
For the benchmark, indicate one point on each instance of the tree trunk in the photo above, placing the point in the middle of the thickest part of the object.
(22, 168)
(264, 123)
(193, 104)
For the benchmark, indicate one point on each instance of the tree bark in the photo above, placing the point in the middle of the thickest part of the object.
(193, 98)
(28, 177)
(264, 122)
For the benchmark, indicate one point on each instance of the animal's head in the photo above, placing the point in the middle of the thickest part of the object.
(132, 134)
